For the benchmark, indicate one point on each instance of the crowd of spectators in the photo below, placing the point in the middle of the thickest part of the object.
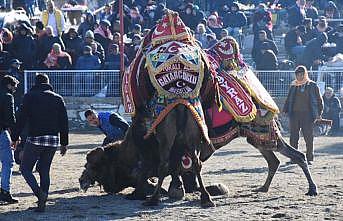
(94, 43)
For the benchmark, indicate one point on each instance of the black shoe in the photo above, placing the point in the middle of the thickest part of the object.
(6, 197)
(42, 197)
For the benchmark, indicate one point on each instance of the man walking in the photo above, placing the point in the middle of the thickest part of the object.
(7, 120)
(304, 105)
(45, 114)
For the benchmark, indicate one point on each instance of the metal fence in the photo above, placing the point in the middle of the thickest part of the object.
(277, 83)
(76, 83)
(105, 83)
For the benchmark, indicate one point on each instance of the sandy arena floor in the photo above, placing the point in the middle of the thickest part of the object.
(237, 165)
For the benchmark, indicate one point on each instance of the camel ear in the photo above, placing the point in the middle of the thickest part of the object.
(95, 155)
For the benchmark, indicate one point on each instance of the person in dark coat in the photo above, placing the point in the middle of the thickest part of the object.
(235, 20)
(262, 38)
(45, 114)
(338, 39)
(295, 43)
(24, 47)
(310, 32)
(73, 44)
(297, 14)
(303, 105)
(16, 72)
(7, 121)
(262, 20)
(267, 60)
(111, 124)
(331, 12)
(332, 108)
(313, 54)
(112, 61)
(45, 43)
(89, 40)
(103, 35)
(88, 24)
(5, 58)
(311, 11)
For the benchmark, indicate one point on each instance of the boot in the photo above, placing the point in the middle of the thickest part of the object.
(6, 197)
(42, 197)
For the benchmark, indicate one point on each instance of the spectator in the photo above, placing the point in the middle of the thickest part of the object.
(338, 39)
(88, 40)
(294, 43)
(136, 17)
(201, 35)
(7, 39)
(7, 119)
(310, 32)
(40, 30)
(262, 20)
(214, 25)
(234, 21)
(224, 33)
(311, 11)
(112, 61)
(313, 54)
(111, 124)
(5, 58)
(103, 35)
(45, 114)
(297, 14)
(262, 38)
(58, 59)
(188, 17)
(72, 42)
(24, 46)
(88, 61)
(54, 18)
(331, 12)
(267, 59)
(332, 108)
(303, 105)
(149, 15)
(211, 40)
(106, 13)
(16, 72)
(160, 10)
(44, 45)
(137, 30)
(96, 53)
(88, 24)
(85, 81)
(133, 48)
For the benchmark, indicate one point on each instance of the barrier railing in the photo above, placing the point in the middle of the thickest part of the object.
(103, 83)
(80, 83)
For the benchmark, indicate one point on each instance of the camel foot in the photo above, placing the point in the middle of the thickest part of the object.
(151, 202)
(176, 192)
(136, 196)
(312, 191)
(262, 189)
(207, 203)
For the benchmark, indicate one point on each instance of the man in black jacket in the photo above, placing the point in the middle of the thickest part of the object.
(7, 120)
(45, 114)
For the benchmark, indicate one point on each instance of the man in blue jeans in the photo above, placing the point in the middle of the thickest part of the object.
(111, 124)
(7, 120)
(45, 114)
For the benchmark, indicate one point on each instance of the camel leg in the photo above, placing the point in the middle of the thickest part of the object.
(299, 158)
(166, 142)
(273, 165)
(176, 190)
(205, 196)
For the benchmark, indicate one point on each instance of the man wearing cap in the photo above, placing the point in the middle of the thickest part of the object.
(89, 39)
(53, 17)
(103, 35)
(24, 46)
(7, 121)
(15, 72)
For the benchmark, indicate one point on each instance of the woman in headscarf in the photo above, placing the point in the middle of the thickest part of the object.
(58, 59)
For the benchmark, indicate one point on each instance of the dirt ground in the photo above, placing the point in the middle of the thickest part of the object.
(238, 165)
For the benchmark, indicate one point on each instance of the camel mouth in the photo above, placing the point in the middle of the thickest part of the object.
(84, 185)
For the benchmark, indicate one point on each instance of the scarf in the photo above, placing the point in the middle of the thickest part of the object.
(51, 59)
(104, 33)
(305, 80)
